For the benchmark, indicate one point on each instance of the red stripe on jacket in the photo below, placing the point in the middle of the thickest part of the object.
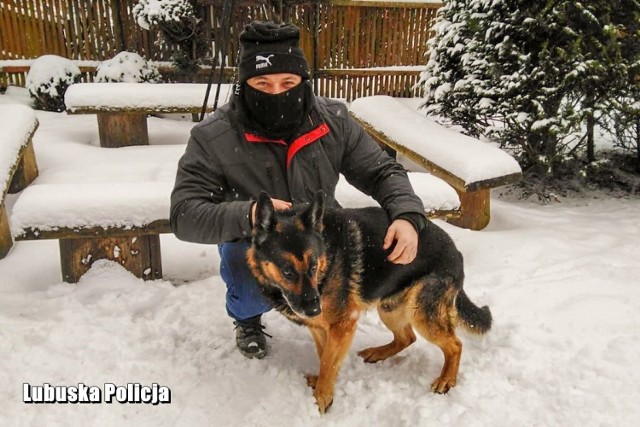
(299, 143)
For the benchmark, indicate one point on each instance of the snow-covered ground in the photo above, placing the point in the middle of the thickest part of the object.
(562, 281)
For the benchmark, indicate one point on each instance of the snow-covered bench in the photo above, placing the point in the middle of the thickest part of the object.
(122, 108)
(468, 165)
(18, 166)
(122, 221)
(119, 221)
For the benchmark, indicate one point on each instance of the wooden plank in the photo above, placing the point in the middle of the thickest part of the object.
(366, 72)
(8, 31)
(79, 33)
(138, 254)
(406, 50)
(26, 169)
(67, 28)
(117, 25)
(395, 39)
(160, 226)
(421, 37)
(20, 32)
(99, 41)
(47, 32)
(75, 44)
(384, 4)
(57, 28)
(91, 48)
(5, 232)
(101, 36)
(159, 109)
(41, 45)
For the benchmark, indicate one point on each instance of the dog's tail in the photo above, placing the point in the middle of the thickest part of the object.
(473, 318)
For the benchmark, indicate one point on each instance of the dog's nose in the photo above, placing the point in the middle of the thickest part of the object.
(312, 307)
(313, 311)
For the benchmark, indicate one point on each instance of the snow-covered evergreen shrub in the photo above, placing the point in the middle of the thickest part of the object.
(48, 80)
(527, 74)
(624, 124)
(127, 67)
(179, 24)
(149, 13)
(622, 118)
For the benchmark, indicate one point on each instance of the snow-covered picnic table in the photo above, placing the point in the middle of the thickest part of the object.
(467, 164)
(122, 108)
(18, 166)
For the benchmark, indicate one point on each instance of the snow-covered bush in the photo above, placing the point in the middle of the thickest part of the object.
(127, 67)
(149, 13)
(531, 75)
(48, 80)
(624, 124)
(179, 25)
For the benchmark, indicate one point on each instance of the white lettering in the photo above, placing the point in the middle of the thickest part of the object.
(131, 393)
(26, 393)
(47, 393)
(109, 392)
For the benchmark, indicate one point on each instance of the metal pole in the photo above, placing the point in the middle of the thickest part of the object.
(316, 30)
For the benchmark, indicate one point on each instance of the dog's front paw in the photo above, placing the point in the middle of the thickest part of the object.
(372, 355)
(442, 385)
(323, 399)
(312, 380)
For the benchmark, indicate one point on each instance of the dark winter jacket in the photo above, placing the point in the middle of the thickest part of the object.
(225, 167)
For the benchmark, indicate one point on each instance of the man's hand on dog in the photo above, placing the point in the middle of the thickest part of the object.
(406, 237)
(279, 205)
(401, 231)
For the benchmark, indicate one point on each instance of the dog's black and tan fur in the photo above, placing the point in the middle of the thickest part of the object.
(322, 269)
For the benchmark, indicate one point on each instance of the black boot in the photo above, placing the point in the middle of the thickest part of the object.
(250, 338)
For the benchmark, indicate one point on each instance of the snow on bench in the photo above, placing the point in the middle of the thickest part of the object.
(18, 166)
(122, 221)
(122, 108)
(469, 165)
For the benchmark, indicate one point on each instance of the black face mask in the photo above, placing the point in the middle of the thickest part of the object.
(278, 115)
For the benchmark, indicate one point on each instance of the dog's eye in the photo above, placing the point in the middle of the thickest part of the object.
(313, 268)
(288, 272)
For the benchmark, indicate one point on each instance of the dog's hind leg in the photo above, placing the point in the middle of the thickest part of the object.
(451, 347)
(435, 320)
(397, 319)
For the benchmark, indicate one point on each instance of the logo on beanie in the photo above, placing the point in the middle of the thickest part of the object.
(263, 61)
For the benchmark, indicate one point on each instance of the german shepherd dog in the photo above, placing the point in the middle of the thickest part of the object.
(323, 268)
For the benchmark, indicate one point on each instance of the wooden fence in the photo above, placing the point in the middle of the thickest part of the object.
(355, 39)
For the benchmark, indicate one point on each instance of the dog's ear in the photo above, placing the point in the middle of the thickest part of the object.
(265, 218)
(314, 215)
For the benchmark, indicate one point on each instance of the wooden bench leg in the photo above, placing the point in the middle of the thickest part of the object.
(122, 130)
(140, 255)
(474, 209)
(5, 233)
(26, 171)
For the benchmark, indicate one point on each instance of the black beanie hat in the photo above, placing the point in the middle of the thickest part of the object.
(270, 48)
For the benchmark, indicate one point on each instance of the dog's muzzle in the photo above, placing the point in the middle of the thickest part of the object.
(311, 306)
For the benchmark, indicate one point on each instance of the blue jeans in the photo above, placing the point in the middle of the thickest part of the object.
(244, 298)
